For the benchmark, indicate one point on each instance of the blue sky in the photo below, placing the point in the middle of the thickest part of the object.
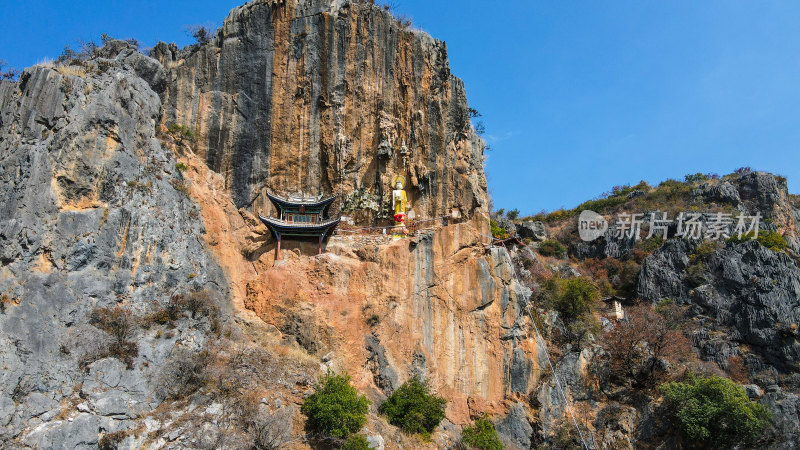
(576, 96)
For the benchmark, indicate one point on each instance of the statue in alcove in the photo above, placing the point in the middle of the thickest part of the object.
(399, 205)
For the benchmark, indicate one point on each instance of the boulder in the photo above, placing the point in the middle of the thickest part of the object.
(532, 230)
(82, 432)
(375, 441)
(723, 192)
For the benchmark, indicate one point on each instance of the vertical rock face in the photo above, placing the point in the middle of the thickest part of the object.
(328, 97)
(89, 217)
(436, 305)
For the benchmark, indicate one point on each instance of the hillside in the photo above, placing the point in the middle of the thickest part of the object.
(730, 301)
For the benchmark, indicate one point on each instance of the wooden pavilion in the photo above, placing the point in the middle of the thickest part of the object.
(300, 217)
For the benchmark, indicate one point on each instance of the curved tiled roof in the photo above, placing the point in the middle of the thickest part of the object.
(282, 201)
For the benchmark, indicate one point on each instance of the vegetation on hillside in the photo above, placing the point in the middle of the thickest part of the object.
(498, 232)
(648, 352)
(481, 436)
(413, 408)
(574, 299)
(355, 442)
(335, 408)
(671, 196)
(552, 247)
(642, 348)
(713, 412)
(769, 239)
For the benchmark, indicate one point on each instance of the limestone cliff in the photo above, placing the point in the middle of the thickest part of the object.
(90, 217)
(141, 304)
(328, 97)
(136, 287)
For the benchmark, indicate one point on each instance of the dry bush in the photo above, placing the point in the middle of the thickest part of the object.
(639, 345)
(46, 62)
(737, 370)
(197, 303)
(224, 369)
(183, 375)
(236, 375)
(120, 324)
(111, 441)
(74, 71)
(613, 276)
(4, 300)
(116, 321)
(565, 437)
(269, 430)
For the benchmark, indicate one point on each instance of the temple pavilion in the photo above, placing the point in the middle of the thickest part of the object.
(300, 217)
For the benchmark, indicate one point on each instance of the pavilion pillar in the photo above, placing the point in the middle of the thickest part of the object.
(278, 248)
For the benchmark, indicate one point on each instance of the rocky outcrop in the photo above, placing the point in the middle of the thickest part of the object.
(532, 230)
(744, 300)
(90, 216)
(102, 207)
(436, 305)
(747, 287)
(723, 192)
(324, 97)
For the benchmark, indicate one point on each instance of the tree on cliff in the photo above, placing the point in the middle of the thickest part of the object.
(413, 408)
(639, 345)
(8, 74)
(714, 412)
(335, 409)
(201, 33)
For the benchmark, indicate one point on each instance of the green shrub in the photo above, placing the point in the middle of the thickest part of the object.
(335, 408)
(576, 299)
(498, 232)
(668, 192)
(696, 177)
(413, 408)
(714, 412)
(572, 298)
(181, 132)
(552, 247)
(481, 436)
(772, 240)
(625, 281)
(738, 240)
(650, 245)
(513, 214)
(181, 166)
(355, 442)
(703, 251)
(601, 205)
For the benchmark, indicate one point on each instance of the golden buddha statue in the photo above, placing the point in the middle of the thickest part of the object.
(399, 203)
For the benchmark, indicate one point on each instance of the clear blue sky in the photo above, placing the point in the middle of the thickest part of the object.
(577, 96)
